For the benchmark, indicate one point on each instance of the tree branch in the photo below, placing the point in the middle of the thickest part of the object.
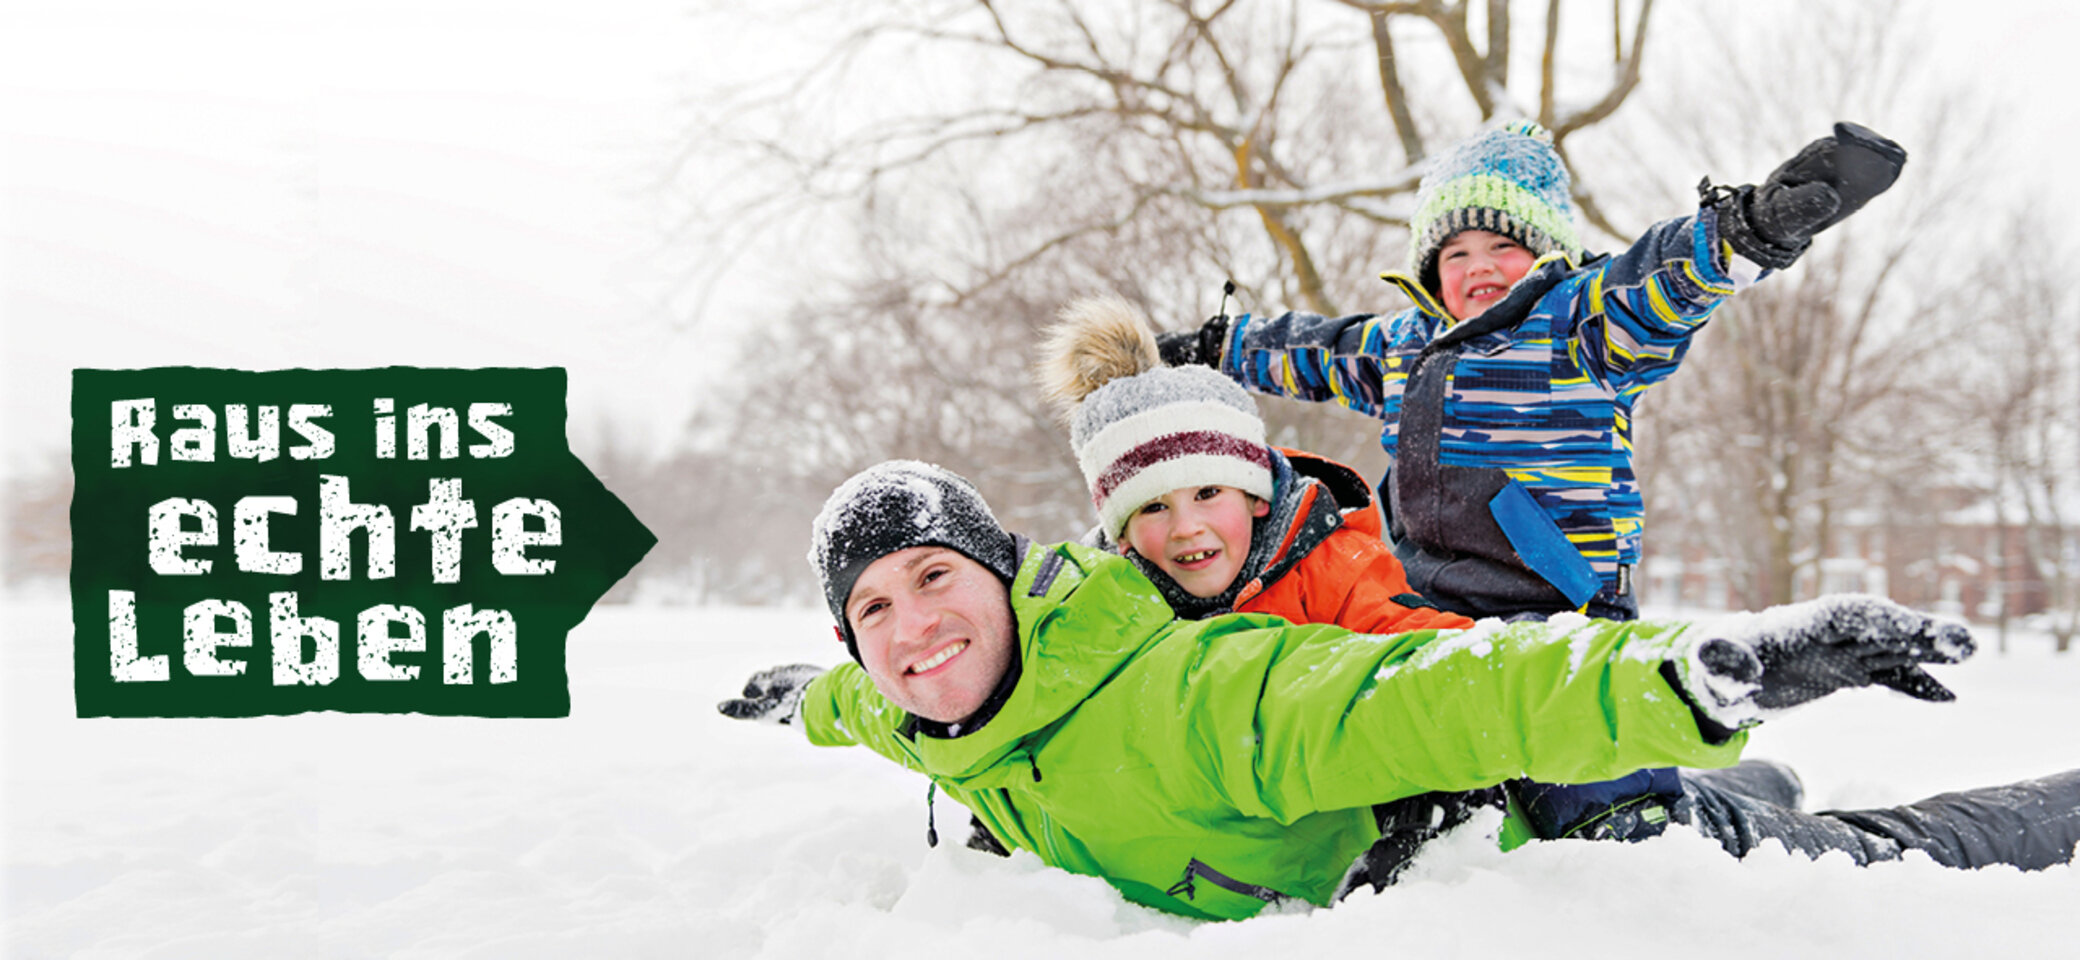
(1585, 201)
(1451, 21)
(1311, 288)
(1622, 87)
(1390, 88)
(1548, 63)
(961, 295)
(1404, 182)
(1498, 42)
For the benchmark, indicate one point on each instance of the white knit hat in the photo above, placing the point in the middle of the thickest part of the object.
(1140, 437)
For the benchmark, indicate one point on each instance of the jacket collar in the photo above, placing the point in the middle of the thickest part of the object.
(1324, 495)
(1545, 272)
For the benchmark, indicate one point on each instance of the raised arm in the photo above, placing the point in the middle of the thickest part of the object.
(1305, 356)
(1638, 310)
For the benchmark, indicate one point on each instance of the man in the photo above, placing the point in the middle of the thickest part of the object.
(1212, 767)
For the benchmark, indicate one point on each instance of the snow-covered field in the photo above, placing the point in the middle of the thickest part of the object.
(648, 825)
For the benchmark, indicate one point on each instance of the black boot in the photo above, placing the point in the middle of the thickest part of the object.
(1405, 825)
(1761, 779)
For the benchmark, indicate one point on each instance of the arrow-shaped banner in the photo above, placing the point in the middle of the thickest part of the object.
(400, 540)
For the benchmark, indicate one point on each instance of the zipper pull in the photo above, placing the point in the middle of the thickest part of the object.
(1184, 889)
(931, 819)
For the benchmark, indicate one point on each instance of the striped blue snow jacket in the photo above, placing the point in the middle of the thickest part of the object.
(1545, 394)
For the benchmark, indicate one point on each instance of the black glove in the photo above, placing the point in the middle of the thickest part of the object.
(1187, 347)
(1750, 667)
(1827, 181)
(772, 695)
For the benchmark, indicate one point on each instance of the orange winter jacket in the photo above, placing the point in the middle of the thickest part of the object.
(1332, 566)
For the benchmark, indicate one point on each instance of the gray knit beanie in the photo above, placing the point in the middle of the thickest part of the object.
(894, 506)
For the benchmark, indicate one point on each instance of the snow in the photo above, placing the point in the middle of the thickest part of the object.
(646, 824)
(860, 503)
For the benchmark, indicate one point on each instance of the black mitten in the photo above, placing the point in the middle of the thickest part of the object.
(772, 695)
(1744, 669)
(1187, 347)
(1827, 181)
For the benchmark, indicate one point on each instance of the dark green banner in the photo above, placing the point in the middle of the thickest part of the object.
(400, 540)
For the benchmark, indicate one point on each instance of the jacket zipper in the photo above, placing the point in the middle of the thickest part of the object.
(1188, 887)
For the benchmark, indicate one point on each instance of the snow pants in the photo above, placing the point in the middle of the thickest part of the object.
(2032, 825)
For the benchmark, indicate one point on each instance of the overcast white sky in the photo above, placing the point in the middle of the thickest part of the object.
(257, 184)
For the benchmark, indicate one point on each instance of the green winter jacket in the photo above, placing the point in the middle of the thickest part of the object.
(1211, 767)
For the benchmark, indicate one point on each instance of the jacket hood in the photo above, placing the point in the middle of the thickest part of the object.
(1347, 490)
(1322, 496)
(1093, 640)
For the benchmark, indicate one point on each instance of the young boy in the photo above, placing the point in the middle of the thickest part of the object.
(1508, 389)
(1213, 767)
(1185, 486)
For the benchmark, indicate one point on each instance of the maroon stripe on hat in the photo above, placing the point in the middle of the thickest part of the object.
(1171, 446)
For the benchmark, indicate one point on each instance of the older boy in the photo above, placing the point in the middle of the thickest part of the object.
(1210, 768)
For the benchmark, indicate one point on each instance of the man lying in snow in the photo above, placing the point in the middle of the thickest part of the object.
(1212, 767)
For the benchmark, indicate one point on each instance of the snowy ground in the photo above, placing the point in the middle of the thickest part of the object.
(648, 825)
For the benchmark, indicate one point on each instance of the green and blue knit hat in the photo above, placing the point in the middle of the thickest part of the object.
(1507, 180)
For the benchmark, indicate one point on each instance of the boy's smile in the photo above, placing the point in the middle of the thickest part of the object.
(1475, 270)
(1198, 536)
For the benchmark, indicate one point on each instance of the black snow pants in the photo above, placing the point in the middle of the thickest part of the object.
(2032, 825)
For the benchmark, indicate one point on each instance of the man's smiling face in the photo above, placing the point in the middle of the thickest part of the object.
(934, 630)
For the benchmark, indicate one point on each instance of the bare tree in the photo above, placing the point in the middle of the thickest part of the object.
(2021, 419)
(1244, 123)
(1152, 149)
(1815, 394)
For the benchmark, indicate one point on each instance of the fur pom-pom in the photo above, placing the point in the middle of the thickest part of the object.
(1094, 341)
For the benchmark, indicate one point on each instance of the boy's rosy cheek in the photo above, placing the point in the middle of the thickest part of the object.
(1134, 536)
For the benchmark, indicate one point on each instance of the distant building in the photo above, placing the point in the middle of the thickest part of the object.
(1959, 558)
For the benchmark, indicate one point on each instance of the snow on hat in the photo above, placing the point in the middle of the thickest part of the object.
(1140, 429)
(1507, 180)
(895, 506)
